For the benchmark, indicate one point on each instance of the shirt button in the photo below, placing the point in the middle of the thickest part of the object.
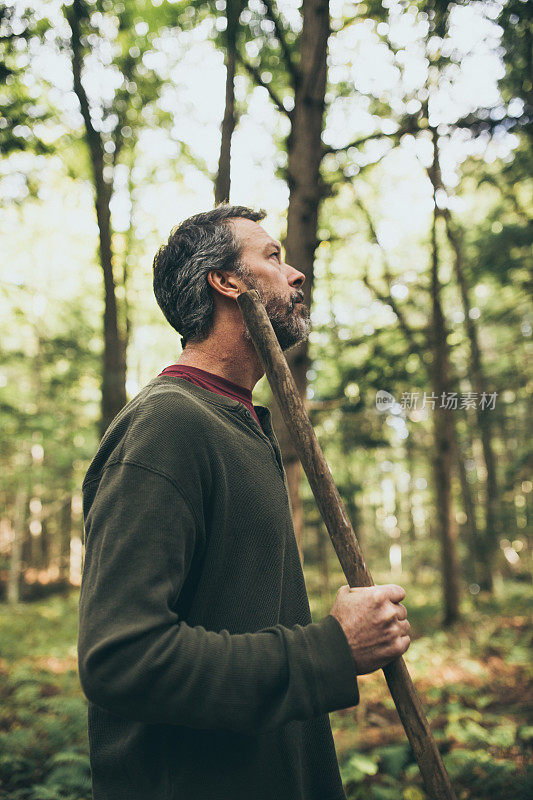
(248, 415)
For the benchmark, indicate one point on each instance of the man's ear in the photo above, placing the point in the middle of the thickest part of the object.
(225, 283)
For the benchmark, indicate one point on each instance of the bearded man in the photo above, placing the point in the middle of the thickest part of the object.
(206, 677)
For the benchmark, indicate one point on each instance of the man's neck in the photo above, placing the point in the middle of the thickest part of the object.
(238, 364)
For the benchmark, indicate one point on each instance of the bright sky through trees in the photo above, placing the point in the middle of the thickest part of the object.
(168, 188)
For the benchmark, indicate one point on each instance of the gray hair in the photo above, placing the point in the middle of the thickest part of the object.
(198, 245)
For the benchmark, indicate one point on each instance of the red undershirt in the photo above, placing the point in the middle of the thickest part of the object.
(214, 383)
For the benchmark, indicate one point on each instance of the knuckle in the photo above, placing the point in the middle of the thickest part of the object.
(375, 603)
(393, 634)
(386, 618)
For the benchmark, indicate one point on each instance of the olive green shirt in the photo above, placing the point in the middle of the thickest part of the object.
(206, 678)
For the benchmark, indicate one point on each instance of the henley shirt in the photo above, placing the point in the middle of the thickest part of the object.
(216, 383)
(205, 675)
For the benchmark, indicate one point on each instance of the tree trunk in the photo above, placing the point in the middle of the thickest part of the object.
(44, 542)
(223, 179)
(473, 563)
(128, 252)
(488, 544)
(114, 355)
(15, 560)
(65, 533)
(410, 457)
(304, 157)
(443, 433)
(479, 383)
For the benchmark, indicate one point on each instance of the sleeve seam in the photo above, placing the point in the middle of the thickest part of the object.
(134, 416)
(131, 462)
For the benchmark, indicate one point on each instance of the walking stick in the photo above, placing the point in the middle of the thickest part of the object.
(404, 694)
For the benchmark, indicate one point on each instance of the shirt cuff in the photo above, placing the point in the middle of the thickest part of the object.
(333, 665)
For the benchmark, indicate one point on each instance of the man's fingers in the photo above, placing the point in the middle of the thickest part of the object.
(401, 611)
(397, 648)
(401, 645)
(404, 627)
(393, 592)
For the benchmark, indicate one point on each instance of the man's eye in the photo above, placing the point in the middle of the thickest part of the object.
(275, 253)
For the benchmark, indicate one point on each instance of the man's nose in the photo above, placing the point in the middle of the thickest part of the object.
(296, 278)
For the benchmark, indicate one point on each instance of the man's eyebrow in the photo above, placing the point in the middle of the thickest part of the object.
(273, 246)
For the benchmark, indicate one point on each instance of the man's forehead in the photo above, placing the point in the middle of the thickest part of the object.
(252, 235)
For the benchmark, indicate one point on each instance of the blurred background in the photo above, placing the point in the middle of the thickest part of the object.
(390, 145)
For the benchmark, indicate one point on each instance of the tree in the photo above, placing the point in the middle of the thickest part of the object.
(442, 422)
(47, 434)
(303, 82)
(231, 33)
(441, 57)
(292, 67)
(110, 128)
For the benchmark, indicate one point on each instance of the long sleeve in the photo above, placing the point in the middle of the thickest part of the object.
(139, 660)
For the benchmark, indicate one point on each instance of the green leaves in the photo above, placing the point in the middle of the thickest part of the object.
(358, 766)
(69, 777)
(43, 724)
(476, 699)
(394, 758)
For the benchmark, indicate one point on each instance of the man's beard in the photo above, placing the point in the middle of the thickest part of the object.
(290, 326)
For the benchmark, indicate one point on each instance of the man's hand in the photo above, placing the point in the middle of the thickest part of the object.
(375, 624)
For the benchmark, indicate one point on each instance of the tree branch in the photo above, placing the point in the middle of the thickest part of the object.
(74, 15)
(256, 75)
(280, 36)
(388, 300)
(347, 22)
(408, 332)
(356, 142)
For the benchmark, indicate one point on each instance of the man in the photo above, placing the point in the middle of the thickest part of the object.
(205, 676)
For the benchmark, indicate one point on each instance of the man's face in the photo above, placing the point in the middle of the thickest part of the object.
(278, 284)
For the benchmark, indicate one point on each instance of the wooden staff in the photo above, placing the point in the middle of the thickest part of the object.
(342, 535)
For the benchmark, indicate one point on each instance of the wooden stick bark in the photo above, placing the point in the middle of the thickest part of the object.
(404, 694)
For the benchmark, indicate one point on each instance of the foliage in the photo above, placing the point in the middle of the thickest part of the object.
(43, 728)
(474, 682)
(22, 102)
(47, 412)
(516, 20)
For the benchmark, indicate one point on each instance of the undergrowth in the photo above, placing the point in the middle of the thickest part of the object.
(474, 681)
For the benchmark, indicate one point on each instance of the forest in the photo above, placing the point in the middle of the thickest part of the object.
(389, 143)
